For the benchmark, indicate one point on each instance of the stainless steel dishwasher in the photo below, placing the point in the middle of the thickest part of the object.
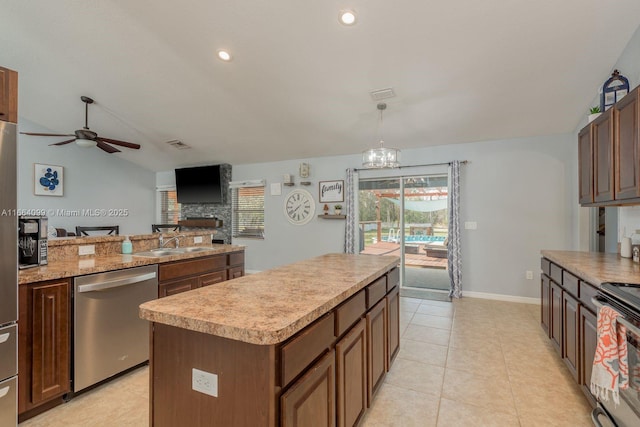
(109, 336)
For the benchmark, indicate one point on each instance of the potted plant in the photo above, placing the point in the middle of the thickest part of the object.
(337, 209)
(594, 112)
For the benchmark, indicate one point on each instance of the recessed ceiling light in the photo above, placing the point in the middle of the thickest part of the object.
(347, 17)
(224, 55)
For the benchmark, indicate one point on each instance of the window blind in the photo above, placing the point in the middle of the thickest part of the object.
(248, 211)
(169, 207)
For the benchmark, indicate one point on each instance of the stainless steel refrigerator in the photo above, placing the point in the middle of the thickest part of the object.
(8, 277)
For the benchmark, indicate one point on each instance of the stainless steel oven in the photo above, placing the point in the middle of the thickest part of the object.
(624, 298)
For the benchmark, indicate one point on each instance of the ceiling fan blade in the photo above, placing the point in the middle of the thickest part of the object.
(64, 142)
(106, 147)
(46, 134)
(120, 143)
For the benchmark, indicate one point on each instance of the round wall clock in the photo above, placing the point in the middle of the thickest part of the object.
(299, 207)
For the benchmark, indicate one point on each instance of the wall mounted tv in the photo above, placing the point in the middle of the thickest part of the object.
(199, 184)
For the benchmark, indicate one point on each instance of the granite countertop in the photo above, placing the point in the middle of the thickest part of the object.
(269, 307)
(98, 264)
(596, 267)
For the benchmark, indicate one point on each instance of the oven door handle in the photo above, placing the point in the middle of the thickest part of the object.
(102, 286)
(597, 411)
(621, 319)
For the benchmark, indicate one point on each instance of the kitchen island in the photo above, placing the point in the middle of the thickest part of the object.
(303, 344)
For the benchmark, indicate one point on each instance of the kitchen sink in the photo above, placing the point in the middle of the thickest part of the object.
(195, 249)
(160, 252)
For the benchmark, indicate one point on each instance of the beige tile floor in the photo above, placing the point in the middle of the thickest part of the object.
(468, 363)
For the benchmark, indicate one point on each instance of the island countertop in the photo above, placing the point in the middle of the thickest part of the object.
(596, 267)
(268, 307)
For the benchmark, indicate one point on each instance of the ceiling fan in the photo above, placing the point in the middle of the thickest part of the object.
(87, 138)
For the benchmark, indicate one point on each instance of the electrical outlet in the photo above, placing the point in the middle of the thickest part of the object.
(204, 382)
(197, 239)
(86, 250)
(529, 275)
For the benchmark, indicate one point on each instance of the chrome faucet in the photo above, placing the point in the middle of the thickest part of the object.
(176, 238)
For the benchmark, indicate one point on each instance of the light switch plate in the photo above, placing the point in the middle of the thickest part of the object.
(276, 189)
(86, 250)
(470, 225)
(197, 239)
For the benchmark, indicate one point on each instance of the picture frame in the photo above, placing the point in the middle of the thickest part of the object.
(331, 191)
(48, 180)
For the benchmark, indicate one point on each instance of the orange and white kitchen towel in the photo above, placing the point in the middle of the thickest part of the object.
(610, 372)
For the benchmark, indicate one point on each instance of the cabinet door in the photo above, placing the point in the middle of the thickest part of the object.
(603, 157)
(50, 341)
(351, 375)
(376, 348)
(212, 278)
(627, 160)
(545, 291)
(176, 287)
(570, 333)
(555, 317)
(8, 95)
(393, 325)
(588, 340)
(310, 401)
(585, 165)
(235, 272)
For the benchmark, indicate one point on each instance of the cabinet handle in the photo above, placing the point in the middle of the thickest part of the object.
(4, 391)
(4, 337)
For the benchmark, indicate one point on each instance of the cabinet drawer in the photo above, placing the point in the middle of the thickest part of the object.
(235, 272)
(570, 283)
(376, 291)
(545, 265)
(176, 287)
(349, 312)
(236, 258)
(393, 279)
(305, 347)
(555, 273)
(586, 293)
(212, 278)
(191, 267)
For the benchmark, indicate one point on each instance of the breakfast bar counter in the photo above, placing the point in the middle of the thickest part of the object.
(310, 339)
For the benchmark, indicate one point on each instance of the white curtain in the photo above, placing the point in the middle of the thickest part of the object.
(351, 231)
(453, 247)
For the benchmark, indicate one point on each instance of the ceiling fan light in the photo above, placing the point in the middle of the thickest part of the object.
(88, 143)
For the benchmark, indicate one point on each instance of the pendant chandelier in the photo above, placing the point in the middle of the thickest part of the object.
(381, 157)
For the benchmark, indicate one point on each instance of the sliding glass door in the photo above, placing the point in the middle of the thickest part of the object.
(407, 216)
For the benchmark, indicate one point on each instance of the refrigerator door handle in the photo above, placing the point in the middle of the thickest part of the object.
(4, 391)
(4, 337)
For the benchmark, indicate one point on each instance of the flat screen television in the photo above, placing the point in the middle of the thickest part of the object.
(199, 184)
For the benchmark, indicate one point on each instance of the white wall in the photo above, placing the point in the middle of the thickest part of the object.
(521, 192)
(93, 179)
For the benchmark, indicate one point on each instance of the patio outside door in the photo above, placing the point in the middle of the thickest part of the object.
(407, 217)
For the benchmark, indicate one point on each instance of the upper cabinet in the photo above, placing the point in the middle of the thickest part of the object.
(609, 156)
(8, 95)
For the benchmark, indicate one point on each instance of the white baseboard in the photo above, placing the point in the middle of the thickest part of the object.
(500, 297)
(252, 271)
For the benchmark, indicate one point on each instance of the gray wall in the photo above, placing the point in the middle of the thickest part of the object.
(521, 192)
(93, 179)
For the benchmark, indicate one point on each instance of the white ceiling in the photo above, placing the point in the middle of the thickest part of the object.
(299, 83)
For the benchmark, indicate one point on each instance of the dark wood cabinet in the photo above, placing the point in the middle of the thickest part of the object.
(351, 376)
(570, 333)
(603, 154)
(555, 316)
(8, 95)
(627, 153)
(310, 401)
(376, 348)
(44, 343)
(588, 340)
(393, 325)
(545, 302)
(181, 276)
(585, 165)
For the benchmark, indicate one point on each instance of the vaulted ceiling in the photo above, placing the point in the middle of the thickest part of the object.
(298, 85)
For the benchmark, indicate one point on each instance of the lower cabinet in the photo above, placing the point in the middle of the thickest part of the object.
(351, 376)
(545, 291)
(393, 330)
(570, 333)
(555, 316)
(310, 400)
(43, 344)
(376, 348)
(175, 287)
(588, 339)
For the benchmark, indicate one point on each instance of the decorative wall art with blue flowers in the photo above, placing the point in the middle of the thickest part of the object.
(48, 180)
